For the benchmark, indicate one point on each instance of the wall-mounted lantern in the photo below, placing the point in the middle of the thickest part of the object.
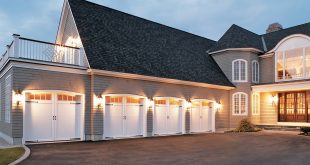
(18, 97)
(274, 100)
(150, 104)
(218, 106)
(188, 105)
(99, 101)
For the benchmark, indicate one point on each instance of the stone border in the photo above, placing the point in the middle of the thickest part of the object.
(25, 156)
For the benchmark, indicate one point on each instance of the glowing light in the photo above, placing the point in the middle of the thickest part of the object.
(217, 106)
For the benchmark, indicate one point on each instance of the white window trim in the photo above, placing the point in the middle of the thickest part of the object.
(246, 71)
(7, 111)
(256, 71)
(239, 102)
(257, 112)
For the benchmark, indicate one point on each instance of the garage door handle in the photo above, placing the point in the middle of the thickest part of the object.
(75, 103)
(32, 102)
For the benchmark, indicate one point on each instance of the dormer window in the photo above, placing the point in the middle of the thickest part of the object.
(239, 70)
(292, 58)
(293, 64)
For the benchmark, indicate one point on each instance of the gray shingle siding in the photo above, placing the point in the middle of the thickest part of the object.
(5, 127)
(33, 79)
(267, 70)
(224, 60)
(113, 85)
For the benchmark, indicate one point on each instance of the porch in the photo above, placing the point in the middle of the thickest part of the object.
(39, 51)
(284, 105)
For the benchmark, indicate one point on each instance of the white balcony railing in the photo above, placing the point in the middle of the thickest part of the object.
(23, 48)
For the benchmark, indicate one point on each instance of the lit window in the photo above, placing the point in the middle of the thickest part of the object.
(239, 70)
(255, 72)
(255, 104)
(240, 103)
(8, 98)
(293, 64)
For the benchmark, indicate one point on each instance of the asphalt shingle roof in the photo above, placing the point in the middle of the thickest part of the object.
(273, 38)
(117, 41)
(238, 37)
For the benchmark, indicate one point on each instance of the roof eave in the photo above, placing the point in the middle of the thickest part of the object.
(237, 49)
(157, 79)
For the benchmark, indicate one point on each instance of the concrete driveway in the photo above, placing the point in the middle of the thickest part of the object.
(220, 149)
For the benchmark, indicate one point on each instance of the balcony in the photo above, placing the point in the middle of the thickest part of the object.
(28, 49)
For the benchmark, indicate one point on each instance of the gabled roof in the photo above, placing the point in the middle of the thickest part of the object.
(273, 38)
(238, 37)
(117, 41)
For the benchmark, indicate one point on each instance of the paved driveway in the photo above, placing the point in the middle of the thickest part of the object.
(205, 149)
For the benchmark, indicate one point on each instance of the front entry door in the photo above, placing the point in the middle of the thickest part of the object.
(292, 107)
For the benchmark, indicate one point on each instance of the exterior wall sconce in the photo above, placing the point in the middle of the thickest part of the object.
(274, 100)
(218, 106)
(150, 104)
(99, 101)
(188, 105)
(18, 97)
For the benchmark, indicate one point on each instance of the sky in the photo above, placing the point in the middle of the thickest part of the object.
(39, 19)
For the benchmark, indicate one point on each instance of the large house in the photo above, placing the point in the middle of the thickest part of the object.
(113, 75)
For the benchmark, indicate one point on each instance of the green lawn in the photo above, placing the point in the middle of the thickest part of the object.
(11, 154)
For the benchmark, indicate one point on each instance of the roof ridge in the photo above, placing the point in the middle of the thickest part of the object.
(285, 29)
(244, 29)
(196, 35)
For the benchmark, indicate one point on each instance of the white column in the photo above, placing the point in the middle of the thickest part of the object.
(213, 111)
(15, 46)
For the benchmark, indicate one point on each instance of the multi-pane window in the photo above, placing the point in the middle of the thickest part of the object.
(255, 104)
(7, 101)
(255, 71)
(240, 103)
(293, 64)
(239, 70)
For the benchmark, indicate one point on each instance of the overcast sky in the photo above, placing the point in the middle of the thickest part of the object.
(39, 19)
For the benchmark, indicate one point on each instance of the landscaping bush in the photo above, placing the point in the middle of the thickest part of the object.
(305, 130)
(245, 125)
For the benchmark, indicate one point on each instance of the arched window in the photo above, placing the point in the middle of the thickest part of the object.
(240, 103)
(255, 71)
(255, 104)
(239, 70)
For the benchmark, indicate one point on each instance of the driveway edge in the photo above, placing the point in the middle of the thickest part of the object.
(22, 158)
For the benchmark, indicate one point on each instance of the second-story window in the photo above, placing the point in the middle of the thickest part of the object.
(255, 71)
(239, 70)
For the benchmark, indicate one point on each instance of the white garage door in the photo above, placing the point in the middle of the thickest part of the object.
(201, 117)
(50, 117)
(123, 116)
(168, 114)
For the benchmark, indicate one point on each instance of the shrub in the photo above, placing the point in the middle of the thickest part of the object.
(245, 125)
(305, 130)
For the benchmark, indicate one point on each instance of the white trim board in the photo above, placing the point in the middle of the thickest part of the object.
(290, 86)
(237, 49)
(156, 79)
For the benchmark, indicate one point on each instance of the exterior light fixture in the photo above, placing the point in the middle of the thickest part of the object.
(217, 106)
(99, 101)
(150, 103)
(188, 105)
(273, 99)
(18, 97)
